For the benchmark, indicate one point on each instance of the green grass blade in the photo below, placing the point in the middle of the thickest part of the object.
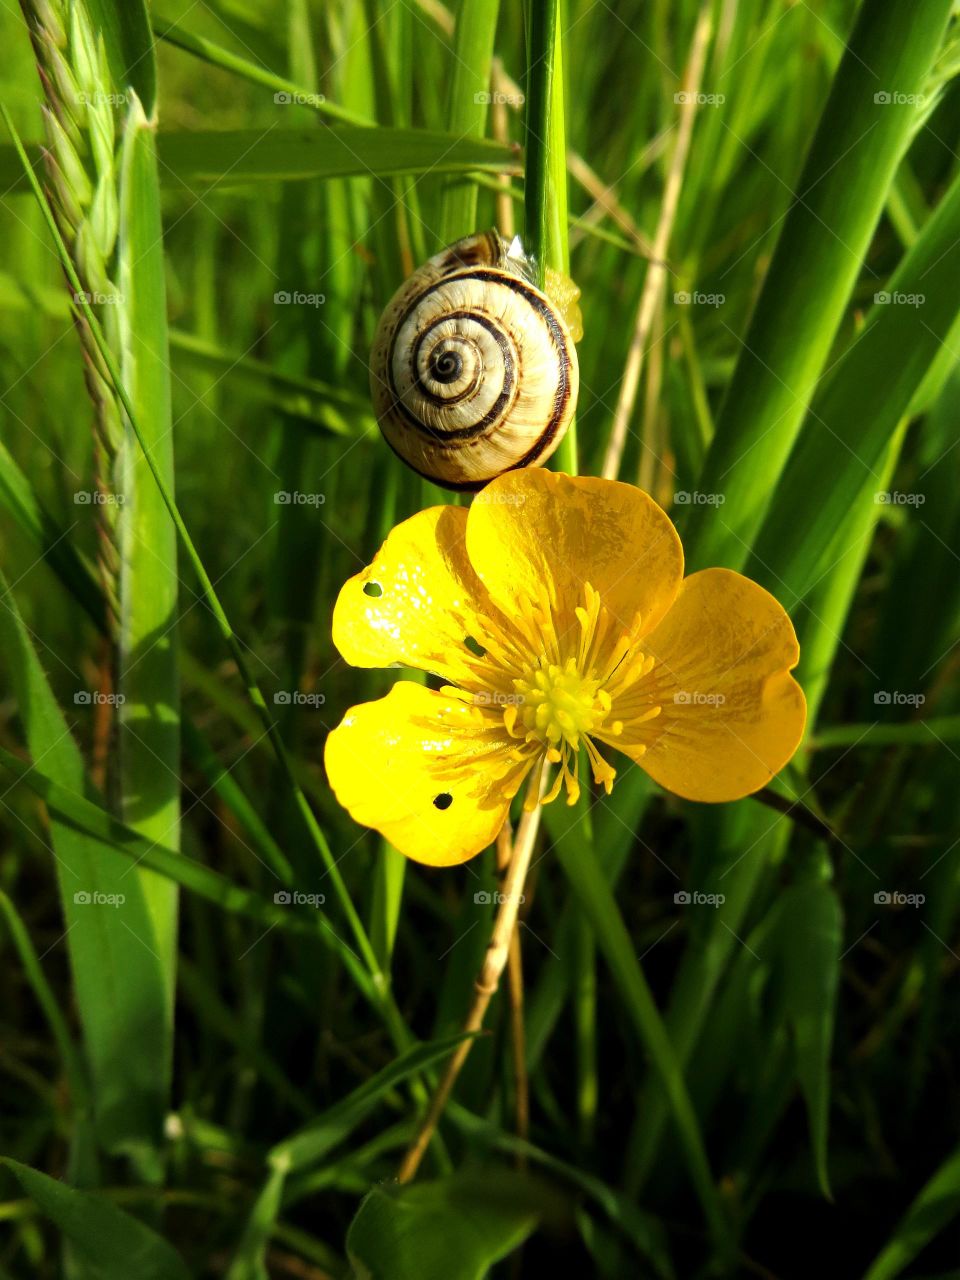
(73, 1064)
(935, 1206)
(227, 633)
(50, 540)
(855, 414)
(148, 740)
(599, 905)
(209, 51)
(468, 97)
(117, 974)
(124, 28)
(110, 1244)
(810, 934)
(819, 255)
(336, 410)
(312, 1143)
(452, 1229)
(923, 733)
(287, 155)
(86, 818)
(545, 175)
(389, 876)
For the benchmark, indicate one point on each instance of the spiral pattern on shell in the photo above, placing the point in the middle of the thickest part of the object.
(473, 370)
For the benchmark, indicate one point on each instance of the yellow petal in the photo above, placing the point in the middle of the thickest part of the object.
(732, 715)
(529, 529)
(415, 604)
(429, 772)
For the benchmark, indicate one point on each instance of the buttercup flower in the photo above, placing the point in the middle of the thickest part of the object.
(556, 609)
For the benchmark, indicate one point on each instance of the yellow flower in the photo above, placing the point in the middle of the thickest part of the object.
(557, 610)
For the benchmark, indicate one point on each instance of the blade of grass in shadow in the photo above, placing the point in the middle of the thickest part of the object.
(111, 1244)
(312, 1143)
(51, 541)
(596, 899)
(74, 1067)
(935, 1206)
(90, 820)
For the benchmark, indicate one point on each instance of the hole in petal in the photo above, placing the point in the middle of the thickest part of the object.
(372, 589)
(443, 801)
(474, 646)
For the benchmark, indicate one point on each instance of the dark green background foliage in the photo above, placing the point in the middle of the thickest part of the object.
(224, 1005)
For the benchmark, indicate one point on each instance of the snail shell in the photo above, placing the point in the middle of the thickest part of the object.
(473, 370)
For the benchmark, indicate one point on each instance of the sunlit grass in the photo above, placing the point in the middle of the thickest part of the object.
(227, 1005)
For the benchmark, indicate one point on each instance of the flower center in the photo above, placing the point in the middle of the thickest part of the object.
(565, 689)
(559, 705)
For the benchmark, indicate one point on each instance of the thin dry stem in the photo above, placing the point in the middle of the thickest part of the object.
(656, 278)
(488, 980)
(518, 1035)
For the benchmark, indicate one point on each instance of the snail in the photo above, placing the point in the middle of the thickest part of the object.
(473, 370)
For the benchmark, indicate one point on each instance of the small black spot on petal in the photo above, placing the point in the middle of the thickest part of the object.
(443, 801)
(474, 646)
(372, 589)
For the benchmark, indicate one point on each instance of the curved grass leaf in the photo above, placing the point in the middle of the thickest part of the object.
(453, 1229)
(85, 818)
(310, 1144)
(935, 1206)
(110, 1244)
(284, 155)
